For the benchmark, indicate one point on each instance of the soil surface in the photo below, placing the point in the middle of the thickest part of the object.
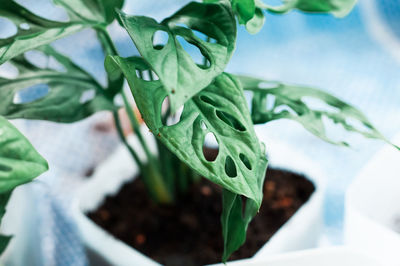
(189, 233)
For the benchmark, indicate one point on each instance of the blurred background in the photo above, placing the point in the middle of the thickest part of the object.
(356, 58)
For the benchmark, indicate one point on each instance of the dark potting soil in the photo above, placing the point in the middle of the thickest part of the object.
(189, 233)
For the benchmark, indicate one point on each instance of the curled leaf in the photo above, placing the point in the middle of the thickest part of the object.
(180, 76)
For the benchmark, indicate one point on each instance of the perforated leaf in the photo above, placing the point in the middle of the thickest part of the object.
(220, 109)
(338, 8)
(180, 75)
(34, 31)
(19, 161)
(290, 102)
(65, 95)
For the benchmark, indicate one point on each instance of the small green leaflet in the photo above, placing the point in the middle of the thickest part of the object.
(20, 163)
(180, 75)
(293, 97)
(71, 93)
(34, 31)
(220, 109)
(339, 8)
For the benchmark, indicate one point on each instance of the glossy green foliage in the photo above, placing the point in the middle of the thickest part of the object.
(34, 31)
(290, 102)
(221, 110)
(338, 8)
(97, 11)
(67, 94)
(180, 75)
(19, 161)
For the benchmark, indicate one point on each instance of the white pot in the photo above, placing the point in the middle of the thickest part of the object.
(372, 207)
(340, 256)
(302, 231)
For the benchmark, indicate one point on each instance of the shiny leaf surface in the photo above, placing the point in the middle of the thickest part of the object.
(181, 77)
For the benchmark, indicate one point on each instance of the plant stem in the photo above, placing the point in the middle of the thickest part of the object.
(124, 140)
(136, 126)
(150, 171)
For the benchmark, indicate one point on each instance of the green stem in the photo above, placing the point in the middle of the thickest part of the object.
(136, 127)
(123, 139)
(150, 171)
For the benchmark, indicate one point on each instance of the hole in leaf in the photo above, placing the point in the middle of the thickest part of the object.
(245, 160)
(87, 96)
(146, 75)
(139, 73)
(334, 131)
(5, 168)
(154, 76)
(268, 85)
(319, 105)
(284, 108)
(54, 64)
(160, 39)
(170, 119)
(208, 100)
(7, 70)
(357, 124)
(209, 153)
(7, 28)
(230, 120)
(203, 125)
(37, 58)
(31, 94)
(193, 51)
(270, 101)
(203, 36)
(24, 26)
(230, 167)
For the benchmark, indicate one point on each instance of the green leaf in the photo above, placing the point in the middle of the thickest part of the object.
(91, 10)
(254, 25)
(234, 220)
(68, 95)
(293, 100)
(180, 75)
(338, 8)
(20, 163)
(221, 110)
(245, 10)
(33, 31)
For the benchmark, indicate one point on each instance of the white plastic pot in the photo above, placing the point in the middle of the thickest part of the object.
(340, 256)
(373, 207)
(302, 231)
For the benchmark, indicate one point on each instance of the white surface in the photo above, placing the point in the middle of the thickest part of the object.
(302, 231)
(372, 207)
(317, 257)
